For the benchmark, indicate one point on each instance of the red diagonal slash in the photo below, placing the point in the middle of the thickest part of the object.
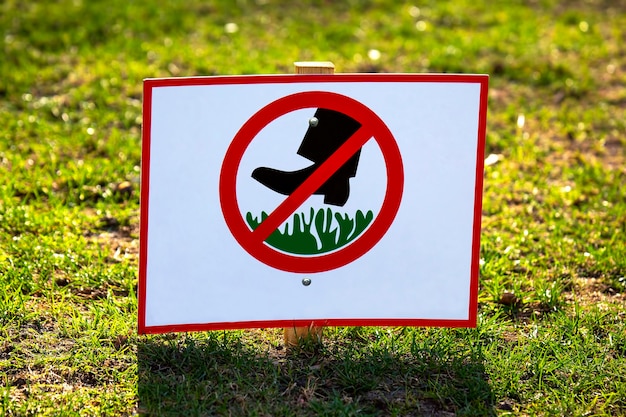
(311, 184)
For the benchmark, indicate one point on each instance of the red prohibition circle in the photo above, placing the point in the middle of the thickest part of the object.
(246, 134)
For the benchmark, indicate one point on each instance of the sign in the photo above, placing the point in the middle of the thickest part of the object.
(274, 201)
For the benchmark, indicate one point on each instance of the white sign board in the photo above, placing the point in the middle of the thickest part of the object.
(277, 201)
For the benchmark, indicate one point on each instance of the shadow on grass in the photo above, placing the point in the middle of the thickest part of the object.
(219, 373)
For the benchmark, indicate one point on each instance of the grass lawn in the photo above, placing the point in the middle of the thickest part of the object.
(551, 337)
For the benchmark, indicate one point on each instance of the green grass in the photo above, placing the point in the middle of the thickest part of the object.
(301, 239)
(554, 215)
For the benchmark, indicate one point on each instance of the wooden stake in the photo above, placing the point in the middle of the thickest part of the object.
(315, 67)
(295, 336)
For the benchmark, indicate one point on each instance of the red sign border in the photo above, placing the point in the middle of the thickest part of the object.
(150, 84)
(351, 252)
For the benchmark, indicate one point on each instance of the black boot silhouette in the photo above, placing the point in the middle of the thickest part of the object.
(327, 131)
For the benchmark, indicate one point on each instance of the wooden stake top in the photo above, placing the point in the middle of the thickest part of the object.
(314, 67)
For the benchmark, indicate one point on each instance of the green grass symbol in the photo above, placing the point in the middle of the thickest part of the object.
(302, 239)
